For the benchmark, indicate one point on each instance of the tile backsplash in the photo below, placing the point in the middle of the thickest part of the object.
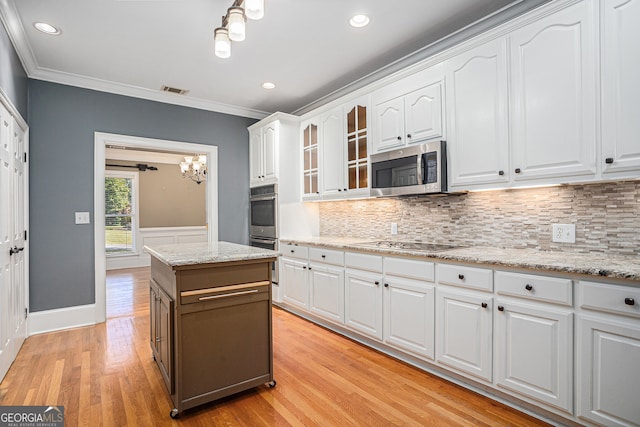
(606, 215)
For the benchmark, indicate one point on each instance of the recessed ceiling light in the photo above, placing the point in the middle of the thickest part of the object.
(359, 21)
(268, 85)
(47, 28)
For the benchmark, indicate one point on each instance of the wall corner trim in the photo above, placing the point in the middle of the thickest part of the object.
(41, 322)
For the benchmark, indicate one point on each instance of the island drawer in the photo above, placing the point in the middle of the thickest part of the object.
(540, 288)
(467, 277)
(622, 300)
(326, 256)
(294, 251)
(203, 278)
(225, 293)
(412, 269)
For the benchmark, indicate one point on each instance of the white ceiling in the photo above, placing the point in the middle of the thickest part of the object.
(306, 47)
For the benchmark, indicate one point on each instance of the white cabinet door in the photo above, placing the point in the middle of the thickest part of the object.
(477, 113)
(363, 302)
(534, 352)
(327, 292)
(270, 151)
(464, 332)
(409, 315)
(554, 87)
(608, 356)
(296, 282)
(332, 144)
(620, 85)
(389, 117)
(256, 157)
(423, 113)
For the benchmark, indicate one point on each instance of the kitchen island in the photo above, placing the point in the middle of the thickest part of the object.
(210, 307)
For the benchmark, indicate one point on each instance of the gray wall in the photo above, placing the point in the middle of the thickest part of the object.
(13, 78)
(63, 120)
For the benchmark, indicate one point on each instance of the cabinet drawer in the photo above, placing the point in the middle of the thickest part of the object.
(326, 256)
(467, 277)
(294, 251)
(623, 300)
(363, 262)
(549, 289)
(223, 294)
(413, 269)
(242, 272)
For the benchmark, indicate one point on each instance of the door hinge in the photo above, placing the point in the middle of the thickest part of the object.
(25, 235)
(25, 157)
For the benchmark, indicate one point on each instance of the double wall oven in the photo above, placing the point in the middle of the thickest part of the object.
(263, 217)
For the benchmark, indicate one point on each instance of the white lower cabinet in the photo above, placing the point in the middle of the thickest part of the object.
(464, 331)
(534, 351)
(295, 278)
(608, 354)
(327, 292)
(363, 302)
(409, 315)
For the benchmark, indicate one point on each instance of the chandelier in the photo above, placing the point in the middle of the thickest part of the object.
(234, 25)
(194, 168)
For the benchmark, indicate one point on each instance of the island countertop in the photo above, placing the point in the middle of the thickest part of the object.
(181, 254)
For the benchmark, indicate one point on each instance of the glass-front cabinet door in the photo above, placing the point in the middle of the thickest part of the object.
(357, 155)
(310, 186)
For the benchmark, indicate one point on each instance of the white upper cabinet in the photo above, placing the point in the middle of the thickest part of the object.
(620, 86)
(256, 156)
(332, 149)
(553, 80)
(263, 154)
(409, 110)
(310, 165)
(477, 112)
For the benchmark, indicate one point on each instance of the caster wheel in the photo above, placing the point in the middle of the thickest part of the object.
(272, 384)
(174, 413)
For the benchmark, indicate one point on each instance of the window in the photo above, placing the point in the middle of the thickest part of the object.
(120, 200)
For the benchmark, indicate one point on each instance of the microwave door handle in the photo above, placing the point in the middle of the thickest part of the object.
(423, 176)
(262, 198)
(265, 241)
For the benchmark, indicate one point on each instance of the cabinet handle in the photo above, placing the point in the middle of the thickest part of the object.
(324, 256)
(317, 192)
(386, 285)
(501, 173)
(344, 189)
(518, 170)
(608, 160)
(339, 189)
(292, 251)
(157, 339)
(376, 283)
(500, 308)
(409, 135)
(304, 266)
(630, 301)
(528, 287)
(461, 276)
(399, 138)
(484, 305)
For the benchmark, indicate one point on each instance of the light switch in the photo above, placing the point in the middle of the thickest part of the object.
(82, 218)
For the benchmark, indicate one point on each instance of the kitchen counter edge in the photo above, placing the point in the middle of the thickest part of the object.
(183, 254)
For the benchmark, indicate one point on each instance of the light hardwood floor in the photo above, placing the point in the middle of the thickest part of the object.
(104, 375)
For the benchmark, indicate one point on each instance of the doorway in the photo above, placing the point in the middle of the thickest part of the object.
(101, 141)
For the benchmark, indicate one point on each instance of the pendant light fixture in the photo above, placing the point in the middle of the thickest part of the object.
(234, 25)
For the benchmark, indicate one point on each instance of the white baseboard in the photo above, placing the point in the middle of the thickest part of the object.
(41, 322)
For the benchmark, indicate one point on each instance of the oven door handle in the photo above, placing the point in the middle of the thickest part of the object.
(266, 241)
(262, 198)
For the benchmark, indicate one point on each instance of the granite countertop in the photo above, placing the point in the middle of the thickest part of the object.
(206, 253)
(595, 264)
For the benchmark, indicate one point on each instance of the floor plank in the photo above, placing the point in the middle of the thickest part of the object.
(104, 375)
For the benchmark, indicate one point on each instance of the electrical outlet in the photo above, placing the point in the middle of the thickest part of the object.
(82, 218)
(394, 228)
(564, 233)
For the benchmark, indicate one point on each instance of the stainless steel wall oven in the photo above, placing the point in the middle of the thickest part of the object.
(263, 218)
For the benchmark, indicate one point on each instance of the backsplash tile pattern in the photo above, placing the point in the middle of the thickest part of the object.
(606, 215)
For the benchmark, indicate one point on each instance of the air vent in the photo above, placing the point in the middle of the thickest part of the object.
(174, 90)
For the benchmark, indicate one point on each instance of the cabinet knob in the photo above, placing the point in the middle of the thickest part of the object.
(344, 189)
(484, 305)
(608, 160)
(324, 256)
(518, 170)
(309, 267)
(317, 192)
(304, 266)
(376, 283)
(386, 285)
(528, 287)
(408, 135)
(500, 308)
(292, 251)
(461, 276)
(399, 138)
(630, 301)
(339, 189)
(501, 173)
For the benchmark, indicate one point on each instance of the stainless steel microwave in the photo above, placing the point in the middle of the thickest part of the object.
(420, 169)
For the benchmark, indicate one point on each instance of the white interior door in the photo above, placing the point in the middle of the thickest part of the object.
(12, 240)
